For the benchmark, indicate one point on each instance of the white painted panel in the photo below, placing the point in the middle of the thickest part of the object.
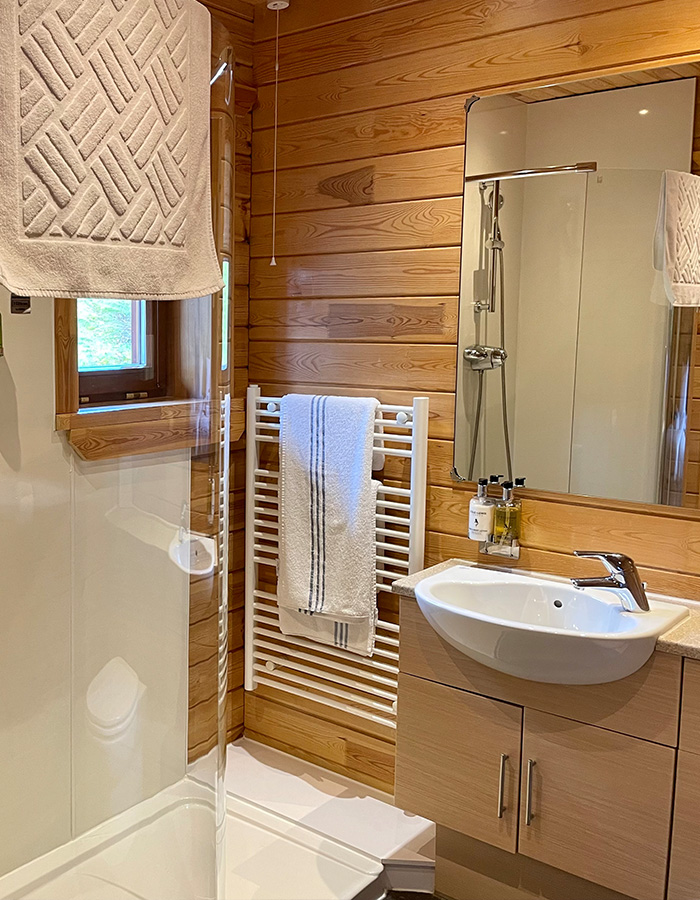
(624, 324)
(130, 603)
(547, 311)
(607, 127)
(34, 595)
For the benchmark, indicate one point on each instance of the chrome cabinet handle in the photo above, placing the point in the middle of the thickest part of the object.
(529, 815)
(502, 785)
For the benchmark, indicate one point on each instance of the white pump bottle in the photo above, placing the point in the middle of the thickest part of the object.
(481, 509)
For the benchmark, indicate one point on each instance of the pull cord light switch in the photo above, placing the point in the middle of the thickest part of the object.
(20, 306)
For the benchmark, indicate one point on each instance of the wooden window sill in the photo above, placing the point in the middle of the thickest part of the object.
(112, 432)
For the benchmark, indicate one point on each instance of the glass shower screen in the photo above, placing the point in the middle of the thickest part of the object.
(114, 520)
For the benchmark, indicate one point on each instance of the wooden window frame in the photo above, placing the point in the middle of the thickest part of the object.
(146, 383)
(167, 423)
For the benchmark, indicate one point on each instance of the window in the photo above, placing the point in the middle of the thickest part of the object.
(120, 356)
(111, 334)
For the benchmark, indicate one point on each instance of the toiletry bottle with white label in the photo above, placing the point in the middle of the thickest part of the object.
(481, 514)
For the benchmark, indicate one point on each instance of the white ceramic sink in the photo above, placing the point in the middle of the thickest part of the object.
(542, 629)
(194, 553)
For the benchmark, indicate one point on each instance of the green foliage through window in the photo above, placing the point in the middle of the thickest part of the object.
(110, 334)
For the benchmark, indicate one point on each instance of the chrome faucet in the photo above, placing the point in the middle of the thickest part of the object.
(623, 577)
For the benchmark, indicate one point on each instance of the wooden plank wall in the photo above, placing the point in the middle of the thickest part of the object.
(364, 295)
(232, 24)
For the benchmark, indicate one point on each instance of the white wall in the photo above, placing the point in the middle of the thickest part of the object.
(547, 322)
(618, 362)
(76, 589)
(35, 596)
(129, 601)
(623, 333)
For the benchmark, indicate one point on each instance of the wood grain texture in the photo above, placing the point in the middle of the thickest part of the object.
(421, 125)
(372, 319)
(425, 174)
(352, 753)
(430, 24)
(590, 787)
(542, 54)
(466, 869)
(387, 364)
(133, 413)
(301, 16)
(684, 874)
(311, 707)
(66, 355)
(390, 226)
(644, 705)
(655, 539)
(414, 273)
(450, 780)
(374, 116)
(440, 417)
(232, 24)
(690, 711)
(448, 546)
(129, 439)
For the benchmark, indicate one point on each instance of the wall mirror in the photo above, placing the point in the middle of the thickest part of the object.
(574, 369)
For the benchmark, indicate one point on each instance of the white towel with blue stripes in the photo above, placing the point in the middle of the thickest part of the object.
(327, 586)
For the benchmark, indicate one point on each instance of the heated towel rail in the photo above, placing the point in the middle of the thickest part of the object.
(362, 686)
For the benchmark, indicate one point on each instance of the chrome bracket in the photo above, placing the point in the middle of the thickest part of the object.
(509, 549)
(480, 357)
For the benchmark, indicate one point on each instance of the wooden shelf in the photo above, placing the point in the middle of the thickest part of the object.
(128, 430)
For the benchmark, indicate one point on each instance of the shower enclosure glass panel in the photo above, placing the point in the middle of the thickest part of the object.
(113, 600)
(98, 562)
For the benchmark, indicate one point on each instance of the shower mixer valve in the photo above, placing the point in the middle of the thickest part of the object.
(480, 357)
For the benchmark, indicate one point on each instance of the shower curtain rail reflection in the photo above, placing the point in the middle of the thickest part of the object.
(581, 167)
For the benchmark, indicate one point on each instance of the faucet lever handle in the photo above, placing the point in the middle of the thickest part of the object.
(623, 569)
(615, 563)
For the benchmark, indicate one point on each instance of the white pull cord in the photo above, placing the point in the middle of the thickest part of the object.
(273, 261)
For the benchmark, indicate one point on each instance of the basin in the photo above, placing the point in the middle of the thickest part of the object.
(542, 629)
(194, 553)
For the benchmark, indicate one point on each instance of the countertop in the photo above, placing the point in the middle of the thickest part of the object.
(683, 640)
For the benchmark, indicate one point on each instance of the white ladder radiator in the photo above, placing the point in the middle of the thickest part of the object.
(362, 686)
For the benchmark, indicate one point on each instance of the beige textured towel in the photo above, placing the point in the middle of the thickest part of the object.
(104, 149)
(677, 238)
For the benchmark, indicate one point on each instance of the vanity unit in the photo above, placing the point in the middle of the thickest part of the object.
(601, 781)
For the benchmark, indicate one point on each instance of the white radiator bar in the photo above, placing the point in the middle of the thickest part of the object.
(363, 686)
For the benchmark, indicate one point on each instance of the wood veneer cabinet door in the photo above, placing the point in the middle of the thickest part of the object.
(690, 709)
(684, 879)
(449, 760)
(600, 804)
